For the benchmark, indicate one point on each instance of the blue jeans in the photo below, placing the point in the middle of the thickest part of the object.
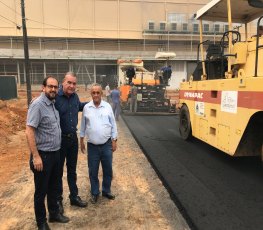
(116, 110)
(100, 154)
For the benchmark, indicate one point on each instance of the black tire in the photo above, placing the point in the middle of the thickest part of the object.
(185, 128)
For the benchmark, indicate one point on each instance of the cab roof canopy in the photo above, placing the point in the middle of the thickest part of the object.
(165, 55)
(241, 10)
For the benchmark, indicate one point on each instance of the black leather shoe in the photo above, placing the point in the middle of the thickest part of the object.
(60, 207)
(44, 227)
(93, 199)
(58, 218)
(108, 195)
(78, 202)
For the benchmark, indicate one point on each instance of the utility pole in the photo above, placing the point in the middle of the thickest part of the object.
(28, 82)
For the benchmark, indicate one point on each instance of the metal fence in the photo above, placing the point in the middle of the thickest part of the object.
(87, 72)
(8, 87)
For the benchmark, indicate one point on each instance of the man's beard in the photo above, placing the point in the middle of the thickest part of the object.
(51, 96)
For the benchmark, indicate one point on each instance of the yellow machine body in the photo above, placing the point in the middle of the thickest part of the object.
(227, 111)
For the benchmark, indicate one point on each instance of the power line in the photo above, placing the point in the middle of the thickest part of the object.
(8, 19)
(63, 28)
(58, 27)
(10, 8)
(45, 23)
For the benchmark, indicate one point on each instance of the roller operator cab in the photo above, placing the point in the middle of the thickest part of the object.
(222, 102)
(151, 95)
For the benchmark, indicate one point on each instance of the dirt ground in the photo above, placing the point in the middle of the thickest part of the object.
(141, 200)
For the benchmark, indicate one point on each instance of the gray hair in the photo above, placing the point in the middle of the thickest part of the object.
(71, 74)
(96, 84)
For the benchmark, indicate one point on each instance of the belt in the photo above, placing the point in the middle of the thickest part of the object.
(47, 152)
(101, 144)
(69, 135)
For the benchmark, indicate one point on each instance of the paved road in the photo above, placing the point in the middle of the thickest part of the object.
(212, 189)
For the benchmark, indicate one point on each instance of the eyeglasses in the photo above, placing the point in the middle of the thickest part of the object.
(52, 86)
(95, 92)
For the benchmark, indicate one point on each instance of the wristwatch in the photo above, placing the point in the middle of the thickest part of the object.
(114, 139)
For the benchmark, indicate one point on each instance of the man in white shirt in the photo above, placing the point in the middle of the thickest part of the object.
(107, 92)
(133, 99)
(99, 126)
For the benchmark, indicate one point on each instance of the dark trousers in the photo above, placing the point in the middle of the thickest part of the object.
(96, 154)
(46, 184)
(68, 152)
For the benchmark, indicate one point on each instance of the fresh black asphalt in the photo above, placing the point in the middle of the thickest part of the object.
(212, 190)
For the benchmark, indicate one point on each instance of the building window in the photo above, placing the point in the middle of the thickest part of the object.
(173, 26)
(217, 28)
(162, 25)
(151, 25)
(206, 27)
(196, 28)
(184, 27)
(175, 17)
(226, 28)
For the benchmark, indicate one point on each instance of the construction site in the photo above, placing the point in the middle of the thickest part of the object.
(189, 140)
(141, 202)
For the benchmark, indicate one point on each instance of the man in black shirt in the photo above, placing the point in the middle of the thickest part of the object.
(68, 106)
